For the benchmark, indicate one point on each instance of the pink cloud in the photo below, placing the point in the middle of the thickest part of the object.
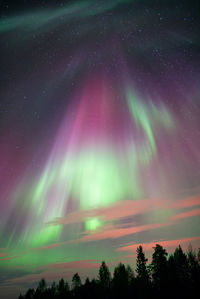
(127, 208)
(118, 210)
(74, 217)
(8, 258)
(186, 214)
(166, 244)
(121, 210)
(188, 202)
(2, 254)
(57, 271)
(82, 264)
(110, 232)
(50, 246)
(32, 278)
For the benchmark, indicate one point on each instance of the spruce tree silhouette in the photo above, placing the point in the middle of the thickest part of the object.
(120, 277)
(41, 289)
(62, 289)
(76, 281)
(194, 269)
(143, 278)
(141, 267)
(76, 286)
(173, 274)
(159, 270)
(177, 277)
(130, 275)
(178, 273)
(120, 281)
(104, 276)
(53, 290)
(182, 266)
(90, 289)
(30, 294)
(198, 256)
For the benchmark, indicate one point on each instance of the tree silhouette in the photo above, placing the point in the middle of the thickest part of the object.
(53, 289)
(141, 267)
(130, 275)
(76, 281)
(120, 277)
(42, 285)
(194, 270)
(62, 289)
(178, 273)
(178, 277)
(182, 265)
(104, 276)
(159, 268)
(173, 273)
(143, 277)
(30, 294)
(198, 255)
(41, 289)
(91, 289)
(120, 281)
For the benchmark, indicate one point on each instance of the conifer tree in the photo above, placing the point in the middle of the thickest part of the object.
(76, 281)
(130, 275)
(120, 276)
(104, 276)
(159, 268)
(141, 265)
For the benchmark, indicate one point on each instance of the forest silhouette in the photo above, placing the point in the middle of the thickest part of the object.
(176, 275)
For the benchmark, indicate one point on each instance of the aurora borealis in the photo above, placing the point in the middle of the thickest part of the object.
(99, 135)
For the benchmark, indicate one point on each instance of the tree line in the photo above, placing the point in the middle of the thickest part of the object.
(176, 275)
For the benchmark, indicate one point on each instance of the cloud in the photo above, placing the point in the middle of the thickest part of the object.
(166, 244)
(9, 258)
(33, 278)
(2, 254)
(124, 209)
(188, 202)
(186, 214)
(82, 264)
(118, 210)
(56, 271)
(74, 217)
(50, 246)
(127, 208)
(110, 232)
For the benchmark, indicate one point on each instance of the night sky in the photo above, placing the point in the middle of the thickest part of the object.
(99, 135)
